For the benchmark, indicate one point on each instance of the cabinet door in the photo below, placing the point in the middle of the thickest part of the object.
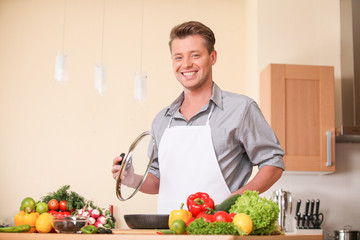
(298, 102)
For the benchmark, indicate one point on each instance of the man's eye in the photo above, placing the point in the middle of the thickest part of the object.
(196, 56)
(178, 58)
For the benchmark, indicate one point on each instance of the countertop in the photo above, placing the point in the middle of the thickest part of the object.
(131, 234)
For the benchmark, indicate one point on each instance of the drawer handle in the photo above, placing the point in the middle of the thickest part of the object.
(328, 144)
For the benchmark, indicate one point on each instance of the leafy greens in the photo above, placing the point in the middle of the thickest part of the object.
(200, 227)
(263, 212)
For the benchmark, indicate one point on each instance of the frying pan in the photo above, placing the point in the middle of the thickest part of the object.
(147, 221)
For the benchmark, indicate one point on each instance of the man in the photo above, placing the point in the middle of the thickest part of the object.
(207, 140)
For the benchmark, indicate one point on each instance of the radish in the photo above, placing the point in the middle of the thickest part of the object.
(85, 214)
(101, 220)
(97, 224)
(80, 212)
(90, 209)
(92, 220)
(95, 213)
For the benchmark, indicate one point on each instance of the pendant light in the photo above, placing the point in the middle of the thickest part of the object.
(140, 77)
(61, 60)
(100, 82)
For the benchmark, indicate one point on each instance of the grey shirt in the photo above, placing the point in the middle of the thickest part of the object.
(240, 134)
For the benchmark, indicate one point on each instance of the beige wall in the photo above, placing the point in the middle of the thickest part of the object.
(52, 135)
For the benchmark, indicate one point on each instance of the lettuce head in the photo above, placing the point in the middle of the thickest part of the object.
(263, 212)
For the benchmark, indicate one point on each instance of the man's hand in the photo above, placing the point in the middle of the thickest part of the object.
(263, 180)
(116, 167)
(129, 177)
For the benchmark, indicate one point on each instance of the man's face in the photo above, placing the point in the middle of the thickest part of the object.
(192, 64)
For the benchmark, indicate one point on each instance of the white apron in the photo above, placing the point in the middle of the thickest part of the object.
(188, 164)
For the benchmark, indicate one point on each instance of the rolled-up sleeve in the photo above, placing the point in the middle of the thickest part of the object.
(259, 140)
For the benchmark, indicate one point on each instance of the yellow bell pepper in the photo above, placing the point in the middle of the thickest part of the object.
(26, 218)
(180, 214)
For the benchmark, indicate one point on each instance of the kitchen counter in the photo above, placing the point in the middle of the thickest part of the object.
(131, 234)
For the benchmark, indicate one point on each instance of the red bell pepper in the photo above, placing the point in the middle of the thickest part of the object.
(199, 202)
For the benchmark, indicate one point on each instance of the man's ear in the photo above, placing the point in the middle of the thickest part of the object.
(213, 57)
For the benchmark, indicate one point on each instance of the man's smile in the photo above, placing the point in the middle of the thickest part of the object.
(189, 73)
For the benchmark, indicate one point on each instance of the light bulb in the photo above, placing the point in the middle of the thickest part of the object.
(61, 67)
(140, 87)
(100, 83)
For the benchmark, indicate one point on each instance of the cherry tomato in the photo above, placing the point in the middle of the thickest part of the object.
(221, 216)
(52, 212)
(206, 217)
(63, 214)
(63, 205)
(53, 204)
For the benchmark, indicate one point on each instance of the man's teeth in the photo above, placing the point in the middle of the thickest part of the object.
(188, 73)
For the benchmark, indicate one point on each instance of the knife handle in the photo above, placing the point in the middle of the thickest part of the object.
(312, 204)
(303, 220)
(307, 207)
(306, 221)
(298, 206)
(317, 206)
(298, 218)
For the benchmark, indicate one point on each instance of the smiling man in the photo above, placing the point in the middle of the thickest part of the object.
(207, 140)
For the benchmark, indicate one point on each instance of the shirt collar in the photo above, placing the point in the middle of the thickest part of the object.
(216, 98)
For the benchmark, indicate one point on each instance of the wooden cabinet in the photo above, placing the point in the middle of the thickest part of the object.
(298, 101)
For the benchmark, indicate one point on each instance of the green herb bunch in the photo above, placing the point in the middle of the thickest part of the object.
(74, 200)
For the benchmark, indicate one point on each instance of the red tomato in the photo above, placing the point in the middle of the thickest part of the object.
(232, 215)
(221, 216)
(53, 204)
(206, 217)
(52, 212)
(63, 214)
(190, 220)
(63, 205)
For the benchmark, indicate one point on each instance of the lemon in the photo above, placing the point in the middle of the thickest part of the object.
(43, 223)
(244, 222)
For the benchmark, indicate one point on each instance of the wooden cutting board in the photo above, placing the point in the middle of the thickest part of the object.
(136, 231)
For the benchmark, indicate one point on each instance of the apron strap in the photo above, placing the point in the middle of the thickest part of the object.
(211, 111)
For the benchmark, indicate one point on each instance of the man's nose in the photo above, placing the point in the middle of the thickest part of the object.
(187, 62)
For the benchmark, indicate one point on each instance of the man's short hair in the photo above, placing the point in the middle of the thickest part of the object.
(193, 28)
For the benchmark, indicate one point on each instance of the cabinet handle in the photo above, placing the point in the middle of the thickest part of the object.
(328, 149)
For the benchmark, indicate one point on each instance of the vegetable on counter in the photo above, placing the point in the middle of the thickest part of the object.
(263, 212)
(227, 203)
(65, 199)
(23, 218)
(179, 226)
(200, 227)
(221, 216)
(180, 214)
(205, 216)
(16, 229)
(89, 229)
(243, 222)
(199, 202)
(28, 205)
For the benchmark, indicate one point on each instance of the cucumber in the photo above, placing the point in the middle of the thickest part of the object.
(227, 203)
(16, 229)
